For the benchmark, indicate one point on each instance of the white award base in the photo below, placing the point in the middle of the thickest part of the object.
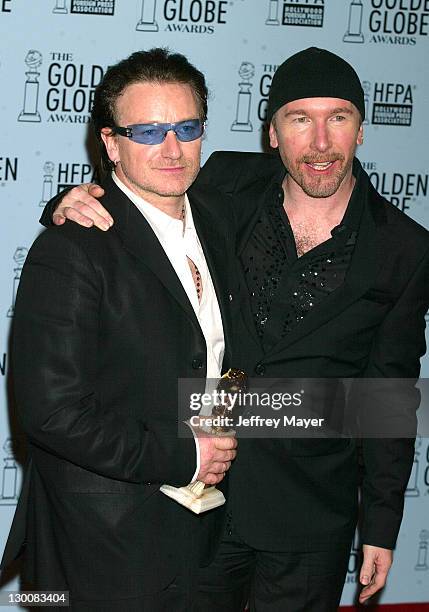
(195, 496)
(143, 26)
(241, 127)
(32, 117)
(353, 38)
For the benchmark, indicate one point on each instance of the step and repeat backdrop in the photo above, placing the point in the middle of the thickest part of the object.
(53, 53)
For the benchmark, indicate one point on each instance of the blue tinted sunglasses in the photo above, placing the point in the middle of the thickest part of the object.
(155, 133)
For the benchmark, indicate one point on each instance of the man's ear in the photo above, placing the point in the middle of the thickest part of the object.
(360, 135)
(273, 135)
(111, 143)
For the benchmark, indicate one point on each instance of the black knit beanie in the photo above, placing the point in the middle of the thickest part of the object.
(314, 73)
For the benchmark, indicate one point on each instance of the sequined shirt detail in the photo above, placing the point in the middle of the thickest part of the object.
(284, 288)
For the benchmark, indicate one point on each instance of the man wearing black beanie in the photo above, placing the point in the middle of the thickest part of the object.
(335, 285)
(314, 73)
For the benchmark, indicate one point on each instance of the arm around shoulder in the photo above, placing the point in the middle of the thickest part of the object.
(78, 204)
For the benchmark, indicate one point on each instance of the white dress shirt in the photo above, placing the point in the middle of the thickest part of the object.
(180, 241)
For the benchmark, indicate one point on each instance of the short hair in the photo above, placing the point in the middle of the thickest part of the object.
(157, 65)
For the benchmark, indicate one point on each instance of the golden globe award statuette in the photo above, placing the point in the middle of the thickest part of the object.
(197, 496)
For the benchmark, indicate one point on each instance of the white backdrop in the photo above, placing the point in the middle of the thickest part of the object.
(54, 52)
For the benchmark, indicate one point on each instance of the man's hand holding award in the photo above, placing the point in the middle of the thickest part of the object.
(197, 496)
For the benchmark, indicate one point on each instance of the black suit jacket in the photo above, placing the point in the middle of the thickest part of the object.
(103, 331)
(302, 494)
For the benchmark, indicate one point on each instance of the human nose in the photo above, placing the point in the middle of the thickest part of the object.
(321, 138)
(171, 147)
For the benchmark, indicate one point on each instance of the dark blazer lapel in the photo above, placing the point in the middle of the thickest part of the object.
(249, 206)
(139, 239)
(362, 272)
(209, 230)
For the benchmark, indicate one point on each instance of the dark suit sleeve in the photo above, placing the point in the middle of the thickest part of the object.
(48, 211)
(233, 171)
(55, 359)
(396, 352)
(222, 169)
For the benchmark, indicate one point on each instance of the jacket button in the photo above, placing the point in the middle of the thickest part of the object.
(197, 364)
(260, 369)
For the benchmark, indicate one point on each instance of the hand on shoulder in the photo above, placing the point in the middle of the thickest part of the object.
(81, 205)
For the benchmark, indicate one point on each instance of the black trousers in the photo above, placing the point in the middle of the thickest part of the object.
(271, 581)
(176, 597)
(240, 574)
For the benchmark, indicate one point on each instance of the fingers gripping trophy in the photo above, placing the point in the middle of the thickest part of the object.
(197, 496)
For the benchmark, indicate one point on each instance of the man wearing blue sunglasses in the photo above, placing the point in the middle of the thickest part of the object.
(334, 284)
(116, 319)
(155, 133)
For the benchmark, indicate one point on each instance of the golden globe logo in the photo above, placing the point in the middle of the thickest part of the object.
(252, 101)
(402, 189)
(186, 16)
(195, 11)
(70, 94)
(398, 21)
